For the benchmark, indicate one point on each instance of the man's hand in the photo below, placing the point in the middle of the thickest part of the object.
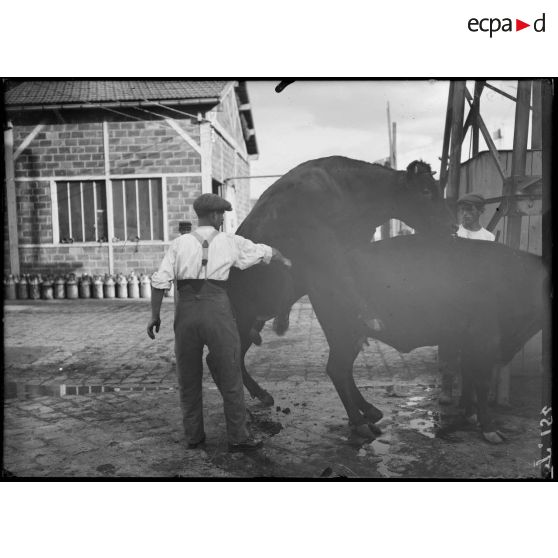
(153, 323)
(276, 255)
(286, 262)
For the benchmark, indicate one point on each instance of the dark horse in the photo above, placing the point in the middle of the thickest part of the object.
(315, 214)
(483, 298)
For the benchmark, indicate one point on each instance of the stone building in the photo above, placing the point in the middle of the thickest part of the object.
(100, 173)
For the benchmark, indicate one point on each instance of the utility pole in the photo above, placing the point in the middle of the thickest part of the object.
(392, 135)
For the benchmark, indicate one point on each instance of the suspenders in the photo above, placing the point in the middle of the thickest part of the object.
(205, 248)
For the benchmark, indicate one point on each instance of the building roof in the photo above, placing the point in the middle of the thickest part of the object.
(36, 94)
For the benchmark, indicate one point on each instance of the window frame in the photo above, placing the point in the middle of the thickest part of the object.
(109, 202)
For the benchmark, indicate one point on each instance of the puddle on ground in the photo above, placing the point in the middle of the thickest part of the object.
(20, 390)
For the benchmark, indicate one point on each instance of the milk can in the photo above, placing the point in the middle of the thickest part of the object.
(34, 288)
(23, 288)
(108, 289)
(121, 286)
(98, 287)
(133, 286)
(10, 291)
(85, 286)
(47, 289)
(72, 287)
(59, 287)
(145, 286)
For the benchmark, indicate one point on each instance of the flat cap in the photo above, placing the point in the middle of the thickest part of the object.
(474, 199)
(207, 203)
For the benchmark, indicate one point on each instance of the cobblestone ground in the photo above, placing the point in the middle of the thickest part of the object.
(87, 393)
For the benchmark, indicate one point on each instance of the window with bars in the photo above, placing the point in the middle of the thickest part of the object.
(82, 211)
(138, 209)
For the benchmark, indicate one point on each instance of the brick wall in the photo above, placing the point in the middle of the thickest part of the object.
(61, 150)
(181, 193)
(91, 259)
(34, 212)
(154, 147)
(243, 202)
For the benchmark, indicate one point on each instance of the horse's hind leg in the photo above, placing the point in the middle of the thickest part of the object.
(246, 332)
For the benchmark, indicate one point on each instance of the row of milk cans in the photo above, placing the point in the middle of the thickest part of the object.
(70, 286)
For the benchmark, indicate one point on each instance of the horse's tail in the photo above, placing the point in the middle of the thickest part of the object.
(281, 322)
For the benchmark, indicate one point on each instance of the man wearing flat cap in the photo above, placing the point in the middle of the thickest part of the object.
(200, 262)
(469, 209)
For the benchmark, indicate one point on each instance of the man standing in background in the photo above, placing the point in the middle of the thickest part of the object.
(469, 209)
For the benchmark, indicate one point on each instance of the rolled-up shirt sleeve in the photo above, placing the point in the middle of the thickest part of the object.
(249, 253)
(164, 276)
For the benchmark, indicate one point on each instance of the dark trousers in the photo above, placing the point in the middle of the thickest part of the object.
(204, 318)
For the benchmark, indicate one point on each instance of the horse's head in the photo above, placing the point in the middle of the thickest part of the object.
(422, 203)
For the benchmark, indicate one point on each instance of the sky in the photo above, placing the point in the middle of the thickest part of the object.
(311, 119)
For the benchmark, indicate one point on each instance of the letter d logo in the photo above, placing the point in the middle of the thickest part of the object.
(539, 24)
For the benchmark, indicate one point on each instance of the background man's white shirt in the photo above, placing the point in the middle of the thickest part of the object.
(481, 234)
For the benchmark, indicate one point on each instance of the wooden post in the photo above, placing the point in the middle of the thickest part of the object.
(536, 127)
(206, 149)
(546, 404)
(11, 198)
(479, 85)
(458, 106)
(519, 158)
(110, 209)
(447, 136)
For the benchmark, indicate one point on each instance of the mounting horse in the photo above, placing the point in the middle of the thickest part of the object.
(315, 214)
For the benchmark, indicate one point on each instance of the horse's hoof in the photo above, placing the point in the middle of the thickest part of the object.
(376, 430)
(493, 437)
(365, 431)
(266, 399)
(373, 415)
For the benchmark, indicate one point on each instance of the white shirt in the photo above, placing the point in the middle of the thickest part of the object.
(183, 259)
(481, 234)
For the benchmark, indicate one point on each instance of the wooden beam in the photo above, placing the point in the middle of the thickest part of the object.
(206, 153)
(536, 127)
(479, 85)
(183, 134)
(519, 159)
(503, 93)
(11, 198)
(110, 207)
(486, 135)
(447, 136)
(458, 105)
(25, 143)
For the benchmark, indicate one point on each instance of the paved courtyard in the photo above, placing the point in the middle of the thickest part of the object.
(87, 393)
